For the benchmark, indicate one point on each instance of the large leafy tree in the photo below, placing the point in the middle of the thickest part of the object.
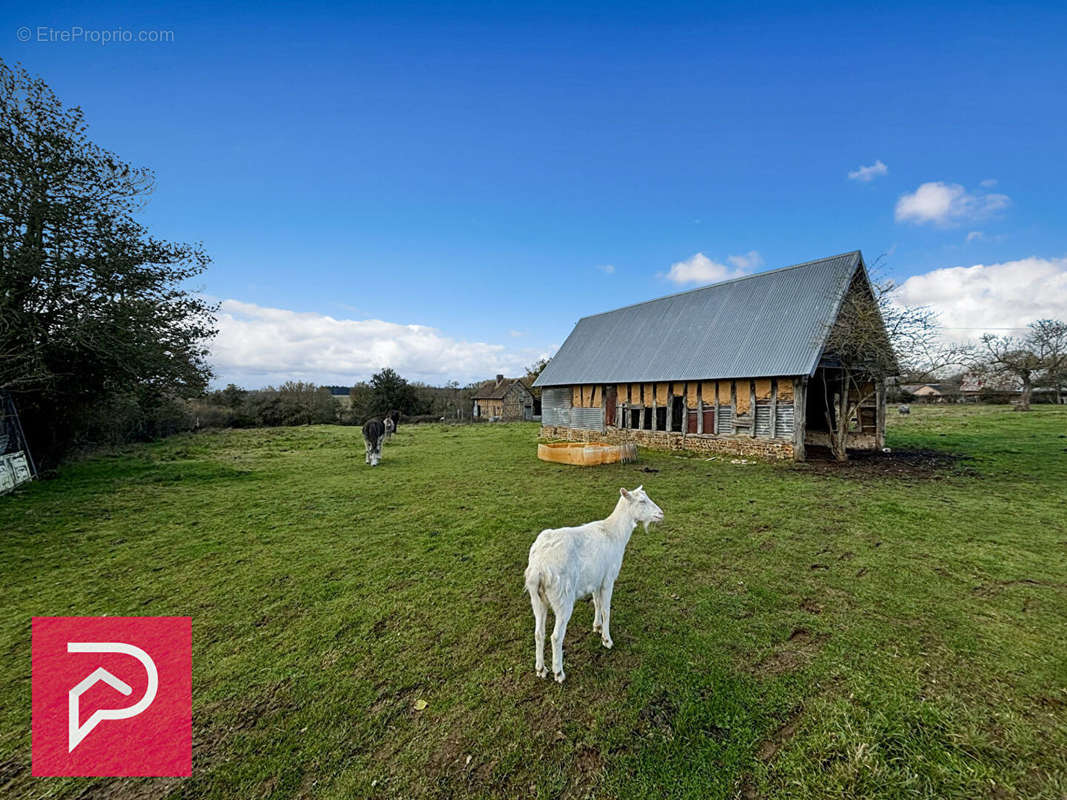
(94, 310)
(390, 391)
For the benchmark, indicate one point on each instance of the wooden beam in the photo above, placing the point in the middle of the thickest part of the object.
(879, 421)
(752, 405)
(774, 406)
(733, 403)
(800, 417)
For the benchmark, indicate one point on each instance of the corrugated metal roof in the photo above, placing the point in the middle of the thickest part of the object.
(767, 324)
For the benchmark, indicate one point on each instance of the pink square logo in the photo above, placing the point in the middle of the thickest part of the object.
(112, 696)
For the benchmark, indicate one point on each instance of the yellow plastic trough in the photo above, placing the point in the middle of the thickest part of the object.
(587, 454)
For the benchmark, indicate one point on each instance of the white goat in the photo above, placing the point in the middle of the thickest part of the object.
(568, 564)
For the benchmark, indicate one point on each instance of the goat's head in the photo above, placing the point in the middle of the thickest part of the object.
(641, 506)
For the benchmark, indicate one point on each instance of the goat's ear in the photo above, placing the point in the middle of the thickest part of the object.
(624, 493)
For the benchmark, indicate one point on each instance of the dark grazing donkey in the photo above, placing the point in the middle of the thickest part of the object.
(373, 435)
(394, 415)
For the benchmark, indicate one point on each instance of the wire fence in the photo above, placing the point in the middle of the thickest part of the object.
(16, 462)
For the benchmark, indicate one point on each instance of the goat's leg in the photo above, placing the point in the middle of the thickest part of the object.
(540, 612)
(596, 612)
(562, 612)
(605, 614)
(367, 446)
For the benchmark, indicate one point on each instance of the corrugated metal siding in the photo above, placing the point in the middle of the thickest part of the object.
(556, 407)
(763, 421)
(724, 422)
(783, 422)
(770, 324)
(589, 418)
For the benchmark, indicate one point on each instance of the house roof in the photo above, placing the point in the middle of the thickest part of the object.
(773, 323)
(497, 391)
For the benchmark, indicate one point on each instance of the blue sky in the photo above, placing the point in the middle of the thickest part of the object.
(477, 177)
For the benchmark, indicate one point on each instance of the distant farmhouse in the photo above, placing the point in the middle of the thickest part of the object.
(504, 399)
(735, 367)
(929, 392)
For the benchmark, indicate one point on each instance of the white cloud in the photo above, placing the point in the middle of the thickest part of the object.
(514, 334)
(988, 183)
(607, 269)
(947, 203)
(869, 173)
(747, 261)
(257, 346)
(974, 235)
(698, 268)
(1012, 294)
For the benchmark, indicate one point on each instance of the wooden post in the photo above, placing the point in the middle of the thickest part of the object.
(774, 406)
(655, 408)
(879, 419)
(800, 417)
(733, 403)
(700, 412)
(752, 405)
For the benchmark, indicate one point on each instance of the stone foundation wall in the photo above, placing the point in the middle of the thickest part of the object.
(661, 440)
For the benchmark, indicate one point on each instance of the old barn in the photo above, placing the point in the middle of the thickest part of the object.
(504, 399)
(738, 367)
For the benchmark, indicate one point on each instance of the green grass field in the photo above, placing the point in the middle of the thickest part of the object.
(788, 631)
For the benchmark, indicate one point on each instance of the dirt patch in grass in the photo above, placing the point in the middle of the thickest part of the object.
(794, 653)
(770, 747)
(811, 605)
(658, 716)
(906, 464)
(767, 751)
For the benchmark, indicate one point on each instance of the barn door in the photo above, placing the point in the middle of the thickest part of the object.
(609, 405)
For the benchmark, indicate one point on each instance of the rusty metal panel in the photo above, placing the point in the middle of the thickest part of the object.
(709, 419)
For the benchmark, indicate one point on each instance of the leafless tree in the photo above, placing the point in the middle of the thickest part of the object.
(1048, 338)
(1014, 357)
(874, 338)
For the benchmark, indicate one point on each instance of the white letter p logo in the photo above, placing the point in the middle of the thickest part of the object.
(76, 732)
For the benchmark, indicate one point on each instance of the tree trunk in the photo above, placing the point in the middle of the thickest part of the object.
(839, 429)
(1024, 400)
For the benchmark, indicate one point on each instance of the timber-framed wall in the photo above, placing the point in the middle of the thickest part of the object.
(746, 416)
